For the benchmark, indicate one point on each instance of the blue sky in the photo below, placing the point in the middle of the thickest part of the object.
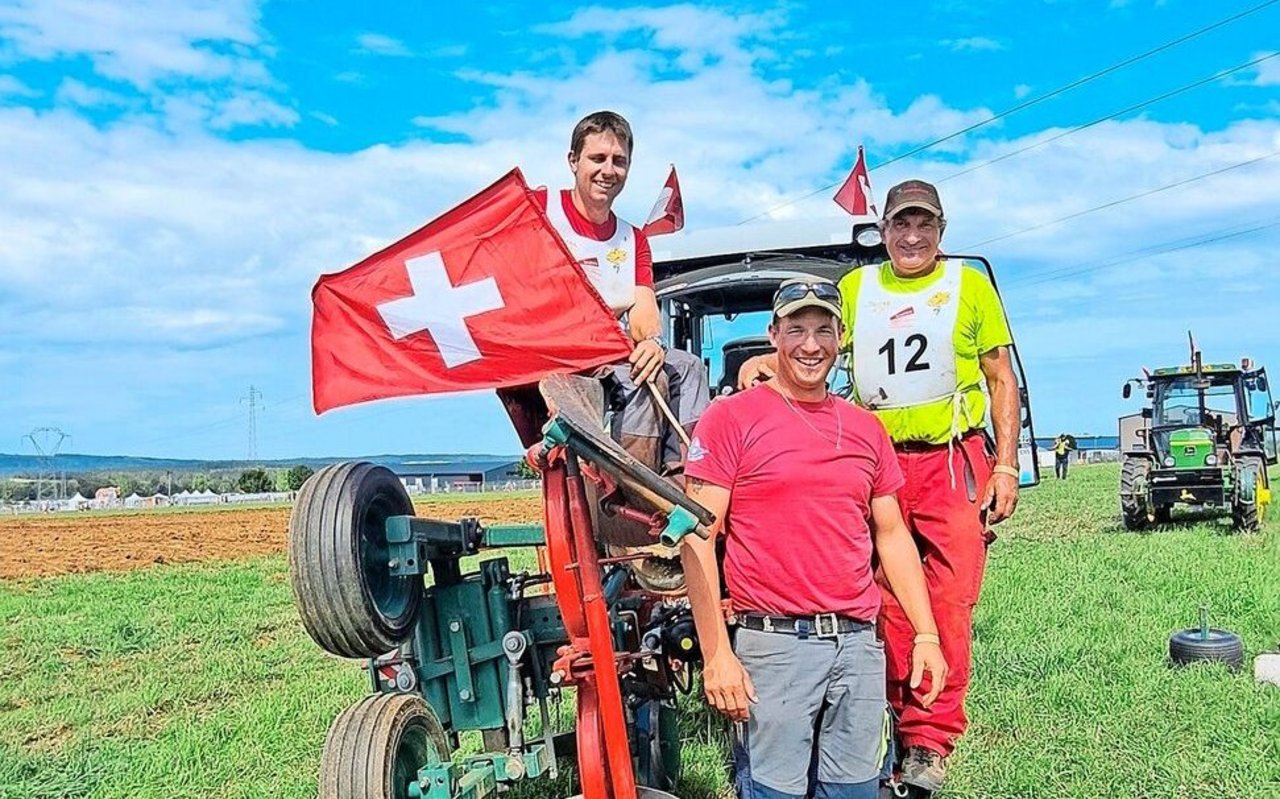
(176, 174)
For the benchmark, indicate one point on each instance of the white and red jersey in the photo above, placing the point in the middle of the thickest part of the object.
(615, 255)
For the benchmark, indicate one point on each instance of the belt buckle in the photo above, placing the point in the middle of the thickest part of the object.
(826, 625)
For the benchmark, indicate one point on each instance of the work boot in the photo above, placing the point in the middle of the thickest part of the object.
(924, 768)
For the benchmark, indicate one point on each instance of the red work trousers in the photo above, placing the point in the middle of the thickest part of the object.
(949, 529)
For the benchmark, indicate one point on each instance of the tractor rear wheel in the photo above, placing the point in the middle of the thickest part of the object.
(1246, 505)
(1134, 498)
(375, 747)
(350, 603)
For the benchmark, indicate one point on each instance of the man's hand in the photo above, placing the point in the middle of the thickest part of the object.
(728, 686)
(646, 359)
(927, 656)
(756, 369)
(1001, 497)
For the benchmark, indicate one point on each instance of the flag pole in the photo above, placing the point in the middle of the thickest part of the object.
(666, 411)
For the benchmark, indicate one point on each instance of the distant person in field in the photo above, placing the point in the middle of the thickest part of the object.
(930, 355)
(1062, 447)
(802, 485)
(617, 260)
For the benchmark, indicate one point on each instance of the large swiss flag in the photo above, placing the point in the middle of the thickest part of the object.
(485, 296)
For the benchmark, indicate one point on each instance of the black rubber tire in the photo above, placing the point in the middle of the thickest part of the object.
(658, 745)
(1245, 516)
(349, 602)
(376, 746)
(1222, 646)
(1133, 492)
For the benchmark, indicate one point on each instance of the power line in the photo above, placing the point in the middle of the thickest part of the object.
(1121, 201)
(1178, 245)
(1031, 102)
(1145, 103)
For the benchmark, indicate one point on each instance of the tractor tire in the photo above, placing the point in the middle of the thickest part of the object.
(376, 746)
(1222, 646)
(350, 603)
(1246, 510)
(1133, 493)
(657, 731)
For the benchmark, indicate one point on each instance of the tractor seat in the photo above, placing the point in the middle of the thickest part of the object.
(736, 353)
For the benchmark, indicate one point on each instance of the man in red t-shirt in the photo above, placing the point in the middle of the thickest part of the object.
(802, 486)
(616, 258)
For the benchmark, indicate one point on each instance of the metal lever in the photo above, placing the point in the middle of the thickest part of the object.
(513, 646)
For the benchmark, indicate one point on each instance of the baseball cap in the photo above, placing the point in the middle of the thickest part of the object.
(804, 292)
(912, 194)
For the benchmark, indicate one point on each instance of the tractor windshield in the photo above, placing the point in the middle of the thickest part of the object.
(1190, 402)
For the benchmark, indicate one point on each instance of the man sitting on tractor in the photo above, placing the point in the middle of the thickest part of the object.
(616, 258)
(802, 486)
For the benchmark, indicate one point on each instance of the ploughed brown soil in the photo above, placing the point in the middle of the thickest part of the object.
(62, 543)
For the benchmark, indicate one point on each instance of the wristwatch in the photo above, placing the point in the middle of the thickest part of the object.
(658, 338)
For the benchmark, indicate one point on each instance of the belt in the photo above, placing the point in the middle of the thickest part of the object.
(925, 446)
(821, 625)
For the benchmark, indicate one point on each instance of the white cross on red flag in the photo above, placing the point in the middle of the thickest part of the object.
(485, 296)
(667, 215)
(854, 196)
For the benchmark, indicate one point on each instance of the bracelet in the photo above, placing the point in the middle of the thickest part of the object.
(927, 638)
(1000, 468)
(657, 338)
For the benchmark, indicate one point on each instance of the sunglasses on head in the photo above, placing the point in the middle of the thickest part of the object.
(795, 291)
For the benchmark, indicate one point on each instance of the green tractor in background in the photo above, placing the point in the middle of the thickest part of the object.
(1205, 441)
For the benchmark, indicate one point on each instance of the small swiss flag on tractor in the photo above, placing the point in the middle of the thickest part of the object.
(667, 215)
(855, 195)
(485, 296)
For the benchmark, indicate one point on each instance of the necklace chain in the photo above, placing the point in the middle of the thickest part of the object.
(810, 425)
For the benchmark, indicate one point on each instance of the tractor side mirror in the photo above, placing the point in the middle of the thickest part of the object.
(1146, 413)
(1262, 381)
(1127, 390)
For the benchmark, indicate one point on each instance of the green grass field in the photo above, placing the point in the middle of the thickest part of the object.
(198, 681)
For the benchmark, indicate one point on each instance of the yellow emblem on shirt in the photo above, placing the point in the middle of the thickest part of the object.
(938, 300)
(616, 256)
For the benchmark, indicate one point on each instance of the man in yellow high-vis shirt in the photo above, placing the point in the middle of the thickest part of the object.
(929, 354)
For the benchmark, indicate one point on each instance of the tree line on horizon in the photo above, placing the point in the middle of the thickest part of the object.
(146, 483)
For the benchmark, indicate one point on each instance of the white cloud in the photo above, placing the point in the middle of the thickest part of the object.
(379, 44)
(78, 93)
(1268, 73)
(143, 41)
(12, 87)
(1021, 90)
(972, 44)
(251, 108)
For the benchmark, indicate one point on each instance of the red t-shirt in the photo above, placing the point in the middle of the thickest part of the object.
(798, 540)
(585, 227)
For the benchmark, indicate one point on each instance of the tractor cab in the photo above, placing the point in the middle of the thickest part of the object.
(715, 290)
(1206, 440)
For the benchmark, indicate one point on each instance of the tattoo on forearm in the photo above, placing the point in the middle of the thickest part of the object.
(695, 484)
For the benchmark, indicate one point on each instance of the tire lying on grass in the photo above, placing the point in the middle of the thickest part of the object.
(1221, 646)
(376, 746)
(350, 603)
